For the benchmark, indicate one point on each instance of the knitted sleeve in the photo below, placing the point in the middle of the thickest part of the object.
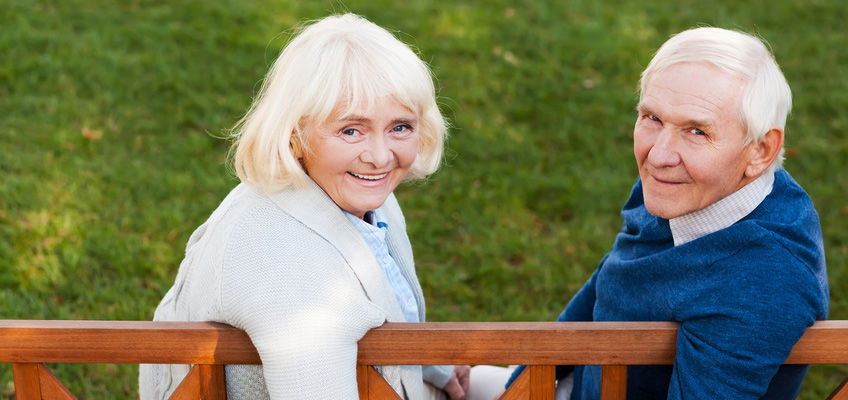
(300, 304)
(745, 324)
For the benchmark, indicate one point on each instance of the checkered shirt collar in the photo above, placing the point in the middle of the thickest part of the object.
(722, 213)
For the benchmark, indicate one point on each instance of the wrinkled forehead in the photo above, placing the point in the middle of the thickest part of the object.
(695, 85)
(700, 73)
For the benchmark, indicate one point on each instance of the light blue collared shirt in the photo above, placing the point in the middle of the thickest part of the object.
(375, 235)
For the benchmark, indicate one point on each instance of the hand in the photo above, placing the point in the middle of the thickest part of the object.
(457, 386)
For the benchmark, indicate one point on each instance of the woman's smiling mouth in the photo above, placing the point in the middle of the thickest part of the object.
(369, 177)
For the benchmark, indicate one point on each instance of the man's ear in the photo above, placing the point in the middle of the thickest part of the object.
(765, 151)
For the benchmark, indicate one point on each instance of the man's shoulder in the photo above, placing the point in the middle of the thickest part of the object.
(787, 201)
(786, 221)
(770, 266)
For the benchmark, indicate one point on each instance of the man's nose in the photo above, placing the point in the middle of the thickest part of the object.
(378, 151)
(665, 151)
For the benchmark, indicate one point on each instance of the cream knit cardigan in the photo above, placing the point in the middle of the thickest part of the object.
(292, 271)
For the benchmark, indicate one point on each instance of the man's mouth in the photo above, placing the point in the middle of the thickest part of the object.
(666, 181)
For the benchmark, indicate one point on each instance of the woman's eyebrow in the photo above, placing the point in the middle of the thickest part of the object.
(405, 120)
(363, 119)
(354, 117)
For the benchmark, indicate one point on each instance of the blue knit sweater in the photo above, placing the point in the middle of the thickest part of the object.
(743, 296)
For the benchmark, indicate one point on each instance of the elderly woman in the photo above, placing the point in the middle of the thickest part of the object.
(310, 251)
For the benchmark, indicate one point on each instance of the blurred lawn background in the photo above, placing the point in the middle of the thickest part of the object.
(109, 156)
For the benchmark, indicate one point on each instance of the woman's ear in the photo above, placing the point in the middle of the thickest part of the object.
(296, 144)
(765, 151)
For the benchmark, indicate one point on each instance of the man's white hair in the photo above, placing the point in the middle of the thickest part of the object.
(329, 69)
(766, 99)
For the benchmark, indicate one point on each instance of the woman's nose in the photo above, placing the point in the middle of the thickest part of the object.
(377, 151)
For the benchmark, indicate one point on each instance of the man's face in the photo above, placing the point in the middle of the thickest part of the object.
(689, 141)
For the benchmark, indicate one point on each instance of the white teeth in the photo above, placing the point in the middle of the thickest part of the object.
(370, 177)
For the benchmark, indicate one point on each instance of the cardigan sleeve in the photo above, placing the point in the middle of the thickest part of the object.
(301, 306)
(745, 325)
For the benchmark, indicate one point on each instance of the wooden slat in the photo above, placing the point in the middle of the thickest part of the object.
(562, 343)
(529, 343)
(493, 343)
(189, 388)
(362, 381)
(614, 382)
(542, 382)
(27, 383)
(51, 387)
(520, 388)
(378, 388)
(826, 342)
(841, 391)
(132, 342)
(213, 384)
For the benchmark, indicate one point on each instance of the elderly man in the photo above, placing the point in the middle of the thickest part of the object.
(716, 235)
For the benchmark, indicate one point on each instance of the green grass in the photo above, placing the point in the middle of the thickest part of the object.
(540, 95)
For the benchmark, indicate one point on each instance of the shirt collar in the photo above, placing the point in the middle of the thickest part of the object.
(376, 225)
(722, 213)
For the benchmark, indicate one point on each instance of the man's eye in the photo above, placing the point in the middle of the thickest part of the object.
(698, 132)
(654, 118)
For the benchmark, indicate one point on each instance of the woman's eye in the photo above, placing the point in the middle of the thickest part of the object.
(654, 118)
(401, 128)
(698, 132)
(350, 132)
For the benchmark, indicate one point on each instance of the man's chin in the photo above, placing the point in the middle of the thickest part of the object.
(663, 208)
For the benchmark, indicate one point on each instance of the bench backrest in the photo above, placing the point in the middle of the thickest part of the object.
(27, 344)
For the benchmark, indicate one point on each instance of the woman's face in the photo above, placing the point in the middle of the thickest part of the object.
(360, 159)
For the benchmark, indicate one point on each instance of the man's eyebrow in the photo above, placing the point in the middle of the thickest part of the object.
(643, 109)
(702, 124)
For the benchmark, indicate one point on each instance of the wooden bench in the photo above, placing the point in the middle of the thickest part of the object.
(27, 344)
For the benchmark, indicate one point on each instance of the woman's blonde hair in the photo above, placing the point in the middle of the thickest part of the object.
(339, 61)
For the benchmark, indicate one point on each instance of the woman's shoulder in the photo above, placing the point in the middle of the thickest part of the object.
(271, 256)
(250, 232)
(271, 237)
(248, 213)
